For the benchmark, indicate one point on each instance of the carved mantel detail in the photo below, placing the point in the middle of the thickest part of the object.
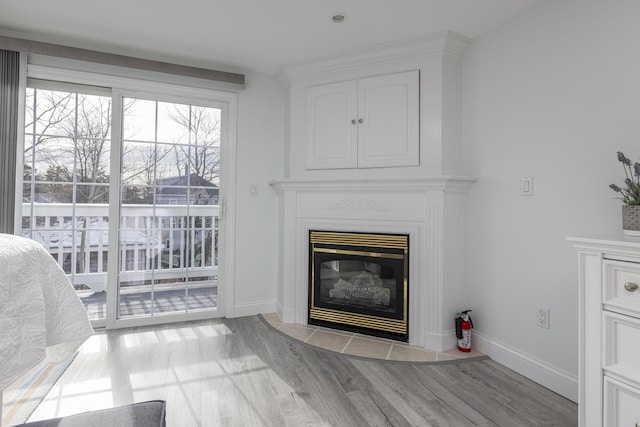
(350, 204)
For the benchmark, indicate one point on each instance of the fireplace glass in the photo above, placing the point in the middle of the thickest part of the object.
(359, 282)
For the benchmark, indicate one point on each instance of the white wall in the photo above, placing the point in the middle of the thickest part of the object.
(552, 94)
(260, 157)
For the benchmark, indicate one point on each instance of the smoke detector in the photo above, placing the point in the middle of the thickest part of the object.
(339, 18)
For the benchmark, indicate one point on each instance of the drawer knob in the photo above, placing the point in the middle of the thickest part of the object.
(631, 287)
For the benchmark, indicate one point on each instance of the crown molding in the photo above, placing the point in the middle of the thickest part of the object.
(446, 43)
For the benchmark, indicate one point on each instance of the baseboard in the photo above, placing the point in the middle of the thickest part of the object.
(287, 316)
(544, 374)
(440, 342)
(251, 309)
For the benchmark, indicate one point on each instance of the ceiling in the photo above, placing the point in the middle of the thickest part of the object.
(245, 35)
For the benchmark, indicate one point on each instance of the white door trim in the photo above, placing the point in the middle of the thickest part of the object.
(124, 86)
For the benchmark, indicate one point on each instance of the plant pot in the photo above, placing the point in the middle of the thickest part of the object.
(631, 220)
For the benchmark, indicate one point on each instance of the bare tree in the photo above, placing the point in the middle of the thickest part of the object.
(91, 150)
(53, 108)
(199, 161)
(91, 130)
(70, 136)
(202, 156)
(140, 169)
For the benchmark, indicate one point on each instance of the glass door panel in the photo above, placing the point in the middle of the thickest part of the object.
(168, 234)
(65, 184)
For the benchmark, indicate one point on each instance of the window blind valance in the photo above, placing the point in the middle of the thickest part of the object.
(68, 52)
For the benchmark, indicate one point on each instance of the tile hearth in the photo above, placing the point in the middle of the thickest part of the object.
(363, 345)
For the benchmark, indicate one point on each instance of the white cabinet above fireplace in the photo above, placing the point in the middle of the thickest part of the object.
(392, 111)
(365, 123)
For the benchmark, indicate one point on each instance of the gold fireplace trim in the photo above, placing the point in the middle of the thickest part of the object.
(360, 239)
(359, 253)
(362, 320)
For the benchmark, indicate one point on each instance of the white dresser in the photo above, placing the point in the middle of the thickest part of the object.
(609, 328)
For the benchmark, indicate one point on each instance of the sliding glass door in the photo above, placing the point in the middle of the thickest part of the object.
(169, 213)
(124, 192)
(65, 183)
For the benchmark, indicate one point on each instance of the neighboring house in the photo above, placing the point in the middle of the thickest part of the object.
(42, 198)
(174, 191)
(185, 190)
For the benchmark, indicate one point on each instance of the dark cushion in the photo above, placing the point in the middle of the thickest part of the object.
(143, 414)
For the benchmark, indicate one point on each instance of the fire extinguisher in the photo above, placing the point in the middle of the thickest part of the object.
(463, 330)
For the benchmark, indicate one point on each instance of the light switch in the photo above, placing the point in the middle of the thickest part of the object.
(526, 186)
(253, 190)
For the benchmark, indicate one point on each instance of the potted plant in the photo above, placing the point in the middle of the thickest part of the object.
(630, 193)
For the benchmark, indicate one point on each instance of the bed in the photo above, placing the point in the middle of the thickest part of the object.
(41, 317)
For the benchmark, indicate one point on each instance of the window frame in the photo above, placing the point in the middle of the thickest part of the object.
(120, 87)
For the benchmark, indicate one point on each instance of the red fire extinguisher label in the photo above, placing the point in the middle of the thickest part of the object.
(464, 344)
(463, 330)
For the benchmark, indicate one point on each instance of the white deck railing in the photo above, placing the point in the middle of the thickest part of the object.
(175, 241)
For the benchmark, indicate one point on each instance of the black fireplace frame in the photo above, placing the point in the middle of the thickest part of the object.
(387, 250)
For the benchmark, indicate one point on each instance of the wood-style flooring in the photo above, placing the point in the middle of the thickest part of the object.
(242, 372)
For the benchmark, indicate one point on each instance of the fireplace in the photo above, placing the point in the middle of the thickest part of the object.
(359, 282)
(430, 211)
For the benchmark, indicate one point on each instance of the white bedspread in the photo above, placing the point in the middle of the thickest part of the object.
(40, 313)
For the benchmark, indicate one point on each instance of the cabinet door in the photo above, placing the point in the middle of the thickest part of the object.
(388, 135)
(332, 126)
(621, 404)
(621, 346)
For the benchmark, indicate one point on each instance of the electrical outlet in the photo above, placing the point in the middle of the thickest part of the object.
(526, 186)
(542, 317)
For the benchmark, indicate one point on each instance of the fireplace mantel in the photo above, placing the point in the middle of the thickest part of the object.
(448, 182)
(431, 210)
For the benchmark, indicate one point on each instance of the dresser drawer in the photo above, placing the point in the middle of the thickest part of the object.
(622, 286)
(621, 350)
(621, 404)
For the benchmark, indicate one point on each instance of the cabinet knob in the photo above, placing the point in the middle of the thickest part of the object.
(631, 287)
(353, 122)
(360, 120)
